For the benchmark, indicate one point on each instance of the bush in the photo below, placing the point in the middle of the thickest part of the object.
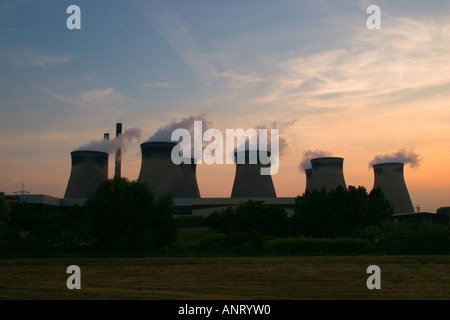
(212, 244)
(11, 241)
(317, 246)
(250, 217)
(409, 237)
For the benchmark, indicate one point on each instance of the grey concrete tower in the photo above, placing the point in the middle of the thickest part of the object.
(159, 171)
(390, 178)
(118, 165)
(328, 173)
(89, 170)
(308, 174)
(189, 175)
(248, 181)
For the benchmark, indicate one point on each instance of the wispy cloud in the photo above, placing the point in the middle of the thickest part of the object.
(151, 85)
(167, 22)
(410, 54)
(240, 80)
(27, 56)
(19, 31)
(98, 94)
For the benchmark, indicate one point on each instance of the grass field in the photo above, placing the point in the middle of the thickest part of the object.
(283, 278)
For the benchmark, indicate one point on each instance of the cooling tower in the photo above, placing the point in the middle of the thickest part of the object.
(327, 173)
(389, 177)
(89, 169)
(248, 181)
(158, 170)
(308, 174)
(188, 173)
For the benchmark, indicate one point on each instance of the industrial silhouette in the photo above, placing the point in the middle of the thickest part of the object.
(159, 171)
(390, 179)
(248, 181)
(327, 172)
(89, 169)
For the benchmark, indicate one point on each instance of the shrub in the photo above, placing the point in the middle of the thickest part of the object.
(410, 237)
(317, 246)
(250, 217)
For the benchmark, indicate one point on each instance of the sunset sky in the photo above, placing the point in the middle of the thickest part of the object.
(312, 69)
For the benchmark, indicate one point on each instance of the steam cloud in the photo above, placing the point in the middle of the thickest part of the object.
(308, 155)
(165, 133)
(282, 142)
(132, 135)
(408, 157)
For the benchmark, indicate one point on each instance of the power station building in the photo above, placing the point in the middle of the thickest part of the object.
(326, 172)
(308, 175)
(159, 171)
(248, 180)
(90, 168)
(390, 179)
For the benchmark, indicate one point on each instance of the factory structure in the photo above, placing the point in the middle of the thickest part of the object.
(90, 168)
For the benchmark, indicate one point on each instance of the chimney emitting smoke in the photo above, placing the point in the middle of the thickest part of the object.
(118, 166)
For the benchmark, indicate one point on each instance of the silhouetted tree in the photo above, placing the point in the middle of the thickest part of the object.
(251, 216)
(443, 210)
(60, 229)
(339, 212)
(126, 215)
(23, 217)
(4, 210)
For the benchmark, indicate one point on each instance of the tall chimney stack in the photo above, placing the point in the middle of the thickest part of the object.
(118, 166)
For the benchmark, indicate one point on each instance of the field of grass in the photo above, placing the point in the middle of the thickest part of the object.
(279, 278)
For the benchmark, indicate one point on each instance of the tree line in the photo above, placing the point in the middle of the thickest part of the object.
(126, 216)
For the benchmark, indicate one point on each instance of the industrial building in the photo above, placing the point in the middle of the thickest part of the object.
(326, 172)
(90, 168)
(390, 179)
(248, 181)
(308, 175)
(159, 171)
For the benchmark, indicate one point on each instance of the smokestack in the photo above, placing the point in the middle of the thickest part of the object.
(188, 173)
(248, 181)
(89, 169)
(118, 166)
(327, 172)
(158, 170)
(308, 174)
(390, 178)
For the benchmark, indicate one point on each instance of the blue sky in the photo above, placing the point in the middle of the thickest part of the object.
(311, 68)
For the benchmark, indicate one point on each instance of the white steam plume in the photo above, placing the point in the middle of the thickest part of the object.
(130, 136)
(165, 133)
(308, 155)
(408, 157)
